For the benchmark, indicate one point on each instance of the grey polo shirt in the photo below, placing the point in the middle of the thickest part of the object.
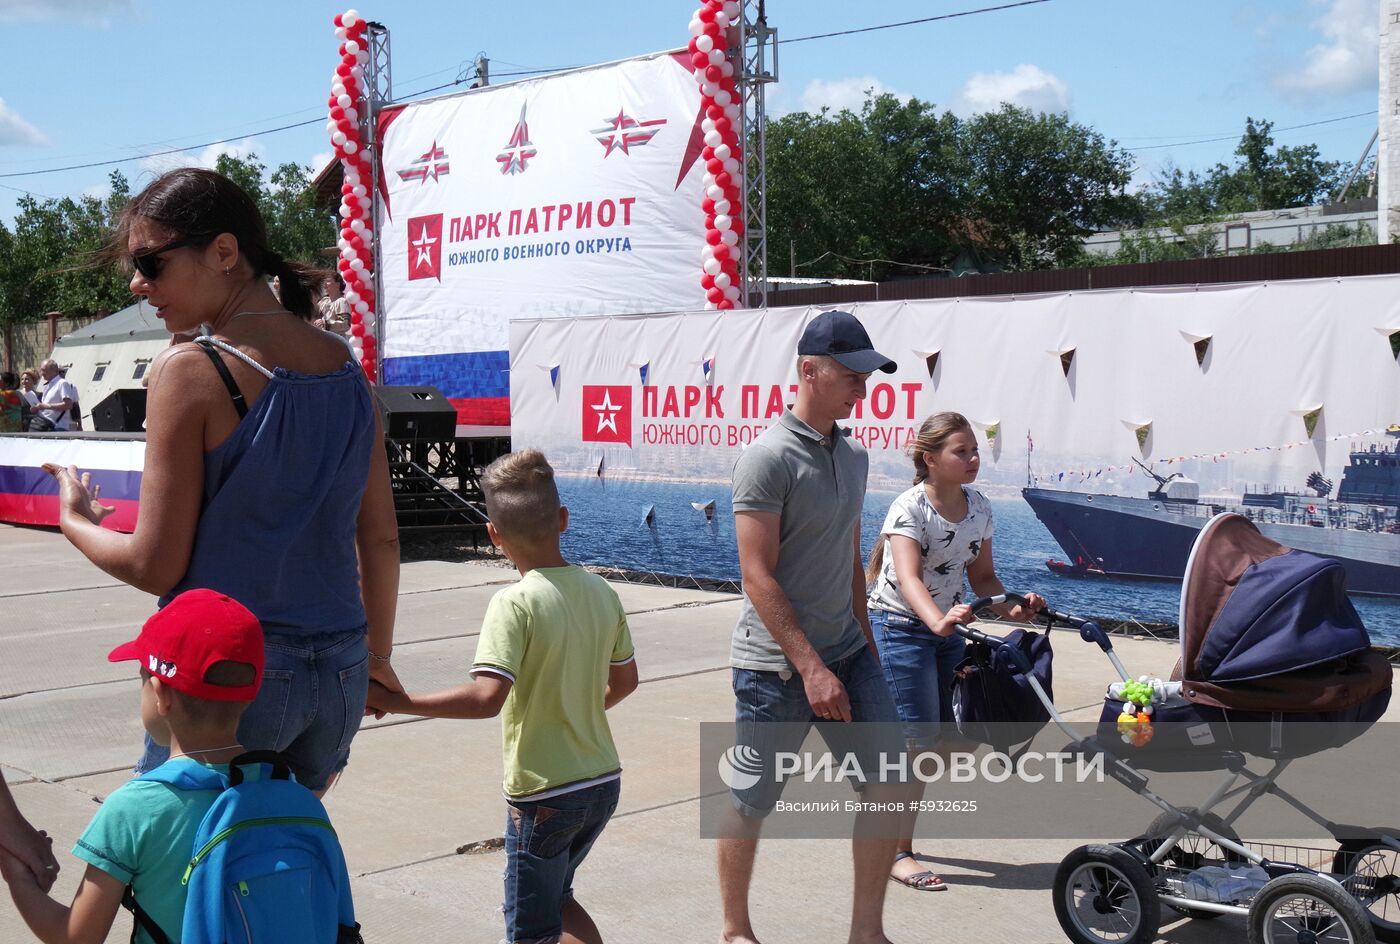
(817, 485)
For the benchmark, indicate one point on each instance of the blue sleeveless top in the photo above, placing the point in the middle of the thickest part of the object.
(281, 499)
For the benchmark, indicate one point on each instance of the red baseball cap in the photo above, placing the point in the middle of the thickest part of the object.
(190, 634)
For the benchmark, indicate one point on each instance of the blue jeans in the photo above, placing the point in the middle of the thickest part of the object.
(545, 843)
(919, 666)
(309, 707)
(772, 716)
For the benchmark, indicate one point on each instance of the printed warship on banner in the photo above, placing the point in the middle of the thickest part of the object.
(1151, 537)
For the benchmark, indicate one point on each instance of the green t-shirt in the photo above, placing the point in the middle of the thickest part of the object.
(143, 835)
(555, 634)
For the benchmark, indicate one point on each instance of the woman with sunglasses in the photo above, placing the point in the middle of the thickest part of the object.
(265, 473)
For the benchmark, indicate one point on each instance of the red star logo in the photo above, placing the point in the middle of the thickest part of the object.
(518, 151)
(607, 414)
(625, 132)
(433, 163)
(425, 247)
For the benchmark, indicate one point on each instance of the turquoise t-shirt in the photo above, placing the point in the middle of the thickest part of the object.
(143, 835)
(555, 634)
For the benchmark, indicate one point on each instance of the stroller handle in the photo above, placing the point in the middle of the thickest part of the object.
(1089, 631)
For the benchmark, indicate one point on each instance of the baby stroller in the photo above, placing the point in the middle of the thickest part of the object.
(1267, 636)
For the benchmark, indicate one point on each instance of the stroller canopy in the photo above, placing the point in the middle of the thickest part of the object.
(1268, 628)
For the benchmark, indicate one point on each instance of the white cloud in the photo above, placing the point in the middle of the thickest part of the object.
(839, 94)
(93, 11)
(15, 130)
(1347, 58)
(101, 191)
(205, 158)
(319, 160)
(1025, 86)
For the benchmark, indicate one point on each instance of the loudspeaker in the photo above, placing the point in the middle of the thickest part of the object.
(416, 414)
(122, 411)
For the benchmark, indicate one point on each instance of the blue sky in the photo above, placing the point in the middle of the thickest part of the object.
(97, 80)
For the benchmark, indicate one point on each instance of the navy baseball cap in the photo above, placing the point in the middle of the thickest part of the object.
(839, 336)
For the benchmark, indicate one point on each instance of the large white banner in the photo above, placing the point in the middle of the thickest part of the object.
(1259, 384)
(564, 196)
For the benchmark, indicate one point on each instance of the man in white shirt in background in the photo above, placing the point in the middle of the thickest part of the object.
(59, 398)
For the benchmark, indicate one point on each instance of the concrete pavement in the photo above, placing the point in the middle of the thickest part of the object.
(420, 810)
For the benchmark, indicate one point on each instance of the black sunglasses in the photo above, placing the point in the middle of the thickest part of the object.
(148, 261)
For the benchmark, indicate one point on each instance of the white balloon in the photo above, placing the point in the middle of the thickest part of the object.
(351, 47)
(351, 17)
(352, 113)
(343, 100)
(708, 89)
(729, 237)
(362, 307)
(712, 267)
(722, 281)
(351, 147)
(357, 224)
(723, 222)
(708, 180)
(359, 190)
(732, 293)
(338, 137)
(714, 139)
(731, 9)
(357, 264)
(706, 251)
(332, 127)
(340, 33)
(704, 43)
(352, 296)
(696, 27)
(358, 350)
(343, 245)
(726, 69)
(707, 125)
(722, 97)
(715, 192)
(362, 57)
(345, 211)
(731, 166)
(731, 111)
(722, 151)
(716, 56)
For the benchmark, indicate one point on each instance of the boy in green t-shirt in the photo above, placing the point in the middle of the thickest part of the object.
(201, 663)
(554, 652)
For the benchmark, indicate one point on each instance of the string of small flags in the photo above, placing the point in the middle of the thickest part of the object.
(1086, 474)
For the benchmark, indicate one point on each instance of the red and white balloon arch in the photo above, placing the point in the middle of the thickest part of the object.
(723, 254)
(347, 105)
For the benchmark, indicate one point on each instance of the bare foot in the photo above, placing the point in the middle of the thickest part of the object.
(737, 937)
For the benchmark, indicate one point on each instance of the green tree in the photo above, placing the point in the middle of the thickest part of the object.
(1037, 184)
(296, 229)
(898, 189)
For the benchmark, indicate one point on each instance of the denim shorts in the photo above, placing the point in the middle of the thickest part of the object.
(545, 843)
(919, 666)
(772, 716)
(309, 707)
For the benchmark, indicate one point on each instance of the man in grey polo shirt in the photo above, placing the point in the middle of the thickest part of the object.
(802, 651)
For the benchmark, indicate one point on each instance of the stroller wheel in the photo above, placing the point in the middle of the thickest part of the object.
(1307, 909)
(1193, 851)
(1104, 896)
(1370, 870)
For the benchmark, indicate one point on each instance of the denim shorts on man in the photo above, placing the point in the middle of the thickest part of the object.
(309, 708)
(919, 667)
(772, 716)
(545, 843)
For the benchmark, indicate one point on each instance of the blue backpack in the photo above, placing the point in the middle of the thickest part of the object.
(266, 864)
(992, 701)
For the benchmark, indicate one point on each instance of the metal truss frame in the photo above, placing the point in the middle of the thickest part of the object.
(757, 45)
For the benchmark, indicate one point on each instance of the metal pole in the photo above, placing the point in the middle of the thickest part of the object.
(755, 37)
(380, 92)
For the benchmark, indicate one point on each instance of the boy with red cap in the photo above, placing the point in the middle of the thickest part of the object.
(201, 660)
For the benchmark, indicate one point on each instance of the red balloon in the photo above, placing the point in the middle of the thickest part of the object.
(725, 305)
(357, 327)
(369, 344)
(707, 153)
(700, 60)
(721, 253)
(693, 50)
(713, 237)
(708, 206)
(367, 365)
(352, 201)
(710, 221)
(706, 15)
(341, 51)
(343, 265)
(346, 128)
(723, 126)
(714, 74)
(344, 69)
(338, 21)
(715, 166)
(723, 179)
(346, 189)
(337, 113)
(714, 295)
(714, 112)
(707, 281)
